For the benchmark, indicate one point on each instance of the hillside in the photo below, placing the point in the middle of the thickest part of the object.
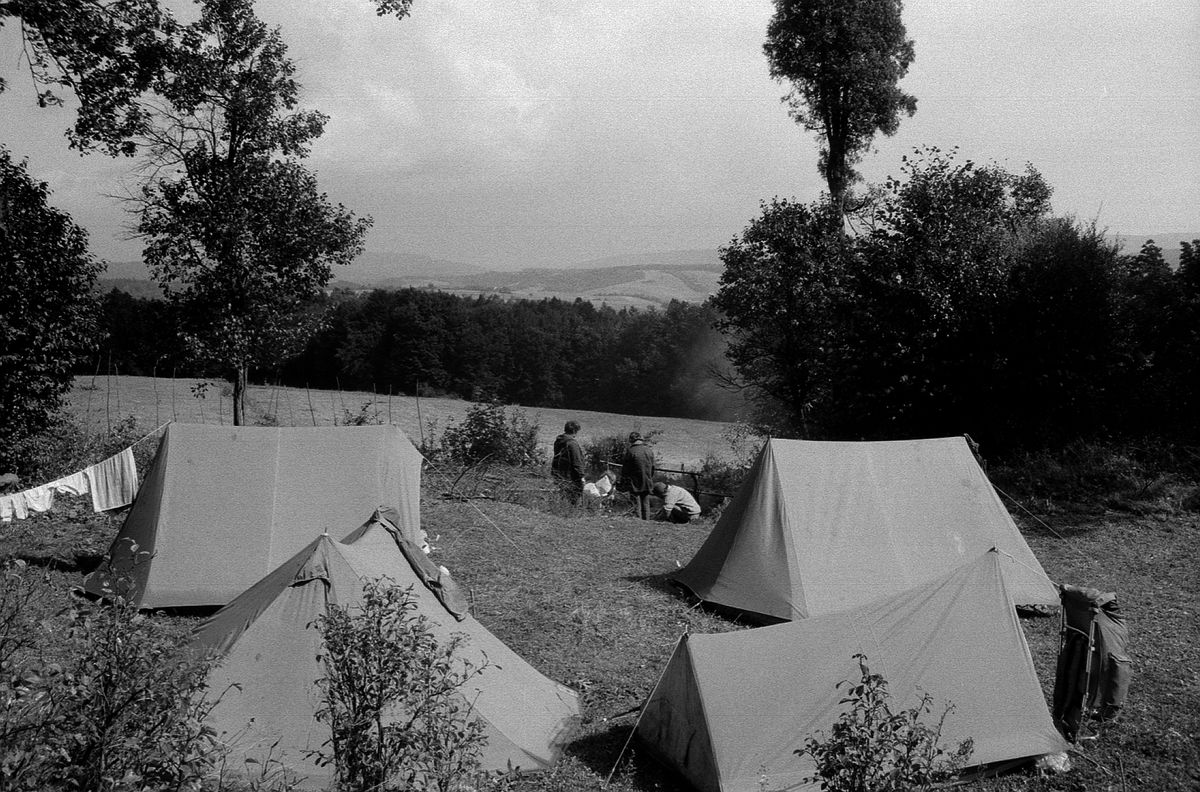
(630, 281)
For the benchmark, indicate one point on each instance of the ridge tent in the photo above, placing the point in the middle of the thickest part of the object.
(730, 708)
(819, 527)
(221, 506)
(268, 667)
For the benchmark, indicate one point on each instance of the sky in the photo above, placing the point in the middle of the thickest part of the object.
(546, 133)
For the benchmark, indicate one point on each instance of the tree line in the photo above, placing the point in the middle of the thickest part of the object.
(546, 353)
(960, 304)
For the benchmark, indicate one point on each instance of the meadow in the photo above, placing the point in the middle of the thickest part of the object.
(98, 402)
(586, 597)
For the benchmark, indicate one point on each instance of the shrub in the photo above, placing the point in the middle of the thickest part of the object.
(873, 749)
(63, 446)
(394, 698)
(1118, 474)
(124, 711)
(21, 713)
(367, 415)
(611, 449)
(488, 434)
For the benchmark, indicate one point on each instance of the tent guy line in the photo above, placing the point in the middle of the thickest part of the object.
(1042, 522)
(489, 520)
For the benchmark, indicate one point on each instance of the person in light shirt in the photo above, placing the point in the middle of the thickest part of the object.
(595, 493)
(678, 505)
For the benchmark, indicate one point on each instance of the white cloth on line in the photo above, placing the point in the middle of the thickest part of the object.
(13, 506)
(39, 499)
(113, 482)
(74, 484)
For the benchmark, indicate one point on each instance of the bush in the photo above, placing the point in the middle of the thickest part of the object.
(725, 475)
(124, 711)
(63, 447)
(611, 449)
(367, 415)
(488, 434)
(1120, 475)
(393, 698)
(872, 749)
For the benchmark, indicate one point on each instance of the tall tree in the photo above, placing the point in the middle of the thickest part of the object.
(843, 59)
(107, 53)
(47, 305)
(782, 296)
(237, 233)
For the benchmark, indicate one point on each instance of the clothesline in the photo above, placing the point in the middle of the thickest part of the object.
(112, 483)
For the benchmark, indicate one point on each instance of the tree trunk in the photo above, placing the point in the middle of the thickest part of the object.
(239, 396)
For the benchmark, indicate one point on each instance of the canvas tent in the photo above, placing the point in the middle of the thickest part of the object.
(268, 668)
(730, 709)
(819, 527)
(221, 506)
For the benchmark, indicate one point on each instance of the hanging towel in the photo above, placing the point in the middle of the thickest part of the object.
(39, 499)
(13, 506)
(74, 484)
(113, 482)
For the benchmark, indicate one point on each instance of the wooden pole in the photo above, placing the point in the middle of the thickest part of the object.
(108, 394)
(154, 380)
(311, 412)
(287, 394)
(88, 419)
(421, 423)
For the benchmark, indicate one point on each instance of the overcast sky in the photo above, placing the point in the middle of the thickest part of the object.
(509, 133)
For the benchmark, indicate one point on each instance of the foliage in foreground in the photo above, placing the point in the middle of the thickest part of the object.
(873, 749)
(395, 698)
(124, 709)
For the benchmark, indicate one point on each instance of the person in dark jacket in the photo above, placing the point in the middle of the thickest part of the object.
(567, 465)
(637, 471)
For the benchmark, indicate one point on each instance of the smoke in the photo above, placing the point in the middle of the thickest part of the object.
(700, 391)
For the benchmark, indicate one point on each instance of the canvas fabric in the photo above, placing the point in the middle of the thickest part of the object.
(819, 527)
(731, 708)
(222, 506)
(268, 667)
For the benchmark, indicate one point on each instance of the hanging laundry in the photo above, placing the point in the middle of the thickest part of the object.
(113, 482)
(74, 484)
(13, 506)
(39, 499)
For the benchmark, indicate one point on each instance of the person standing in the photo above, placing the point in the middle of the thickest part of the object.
(637, 470)
(567, 465)
(678, 505)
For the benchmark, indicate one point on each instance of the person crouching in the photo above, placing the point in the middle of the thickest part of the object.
(678, 505)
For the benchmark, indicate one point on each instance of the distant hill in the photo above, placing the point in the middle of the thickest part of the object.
(135, 287)
(633, 280)
(637, 280)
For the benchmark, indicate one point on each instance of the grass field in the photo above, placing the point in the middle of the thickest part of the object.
(585, 598)
(99, 402)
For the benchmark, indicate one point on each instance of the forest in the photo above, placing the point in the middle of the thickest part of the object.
(547, 353)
